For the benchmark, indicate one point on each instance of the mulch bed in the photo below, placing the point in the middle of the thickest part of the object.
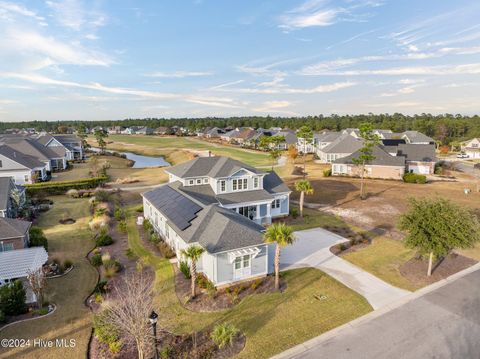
(415, 270)
(197, 345)
(224, 298)
(67, 221)
(344, 248)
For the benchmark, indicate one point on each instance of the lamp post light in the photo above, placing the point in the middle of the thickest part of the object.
(153, 321)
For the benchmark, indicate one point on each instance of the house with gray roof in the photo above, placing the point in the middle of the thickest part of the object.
(12, 197)
(70, 145)
(419, 158)
(24, 169)
(340, 146)
(13, 234)
(418, 138)
(220, 204)
(383, 166)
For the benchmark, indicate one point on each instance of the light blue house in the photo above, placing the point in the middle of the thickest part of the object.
(220, 204)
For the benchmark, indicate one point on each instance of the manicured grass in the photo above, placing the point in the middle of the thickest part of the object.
(383, 258)
(313, 218)
(271, 322)
(170, 146)
(72, 319)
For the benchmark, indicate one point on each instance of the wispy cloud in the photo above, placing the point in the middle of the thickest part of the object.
(7, 9)
(289, 90)
(180, 74)
(74, 15)
(278, 107)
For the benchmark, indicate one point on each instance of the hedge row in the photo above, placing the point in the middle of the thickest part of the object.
(61, 187)
(414, 178)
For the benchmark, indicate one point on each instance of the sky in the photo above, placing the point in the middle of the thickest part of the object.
(116, 59)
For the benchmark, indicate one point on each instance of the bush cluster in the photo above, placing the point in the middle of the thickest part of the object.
(61, 187)
(414, 178)
(37, 238)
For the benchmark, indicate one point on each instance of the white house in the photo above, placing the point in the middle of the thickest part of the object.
(221, 205)
(24, 169)
(472, 148)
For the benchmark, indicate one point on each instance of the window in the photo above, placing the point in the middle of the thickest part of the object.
(235, 185)
(199, 181)
(26, 178)
(190, 182)
(222, 186)
(238, 263)
(205, 180)
(241, 263)
(276, 204)
(1, 165)
(6, 247)
(245, 183)
(255, 182)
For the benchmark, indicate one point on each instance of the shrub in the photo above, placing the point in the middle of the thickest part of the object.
(342, 247)
(119, 214)
(103, 239)
(414, 178)
(139, 209)
(42, 311)
(101, 287)
(185, 269)
(99, 212)
(67, 263)
(115, 347)
(165, 250)
(122, 227)
(103, 329)
(130, 254)
(154, 238)
(96, 260)
(294, 212)
(60, 187)
(37, 238)
(111, 267)
(165, 352)
(147, 226)
(73, 193)
(203, 282)
(256, 284)
(223, 334)
(98, 298)
(102, 196)
(327, 173)
(12, 298)
(438, 169)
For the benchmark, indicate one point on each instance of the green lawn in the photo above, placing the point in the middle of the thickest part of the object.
(383, 258)
(313, 219)
(271, 322)
(167, 145)
(72, 320)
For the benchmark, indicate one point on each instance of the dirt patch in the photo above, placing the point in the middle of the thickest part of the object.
(67, 221)
(213, 300)
(345, 248)
(197, 345)
(415, 270)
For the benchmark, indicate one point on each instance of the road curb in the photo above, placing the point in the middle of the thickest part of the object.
(309, 344)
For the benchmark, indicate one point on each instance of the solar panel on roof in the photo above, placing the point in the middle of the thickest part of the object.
(176, 207)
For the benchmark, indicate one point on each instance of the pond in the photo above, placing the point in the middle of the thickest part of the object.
(141, 161)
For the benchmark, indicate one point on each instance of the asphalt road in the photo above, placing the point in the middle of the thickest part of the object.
(444, 323)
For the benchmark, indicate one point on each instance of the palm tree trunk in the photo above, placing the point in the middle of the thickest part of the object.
(302, 198)
(430, 260)
(193, 273)
(304, 166)
(277, 267)
(362, 195)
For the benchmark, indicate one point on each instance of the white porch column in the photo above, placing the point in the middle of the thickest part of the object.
(269, 210)
(257, 215)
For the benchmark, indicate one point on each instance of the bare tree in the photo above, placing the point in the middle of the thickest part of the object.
(128, 311)
(38, 282)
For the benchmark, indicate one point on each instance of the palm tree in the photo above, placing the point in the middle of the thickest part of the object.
(282, 235)
(193, 253)
(305, 188)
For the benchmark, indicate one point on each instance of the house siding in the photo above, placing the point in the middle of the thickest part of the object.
(381, 172)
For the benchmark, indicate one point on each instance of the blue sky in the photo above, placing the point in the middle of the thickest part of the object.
(102, 60)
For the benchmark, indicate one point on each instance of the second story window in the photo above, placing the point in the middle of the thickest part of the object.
(222, 186)
(190, 182)
(255, 182)
(199, 181)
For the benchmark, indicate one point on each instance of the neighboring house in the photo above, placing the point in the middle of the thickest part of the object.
(290, 139)
(415, 137)
(219, 204)
(472, 148)
(244, 135)
(229, 135)
(419, 158)
(24, 169)
(144, 130)
(344, 145)
(70, 145)
(54, 160)
(12, 197)
(384, 166)
(115, 130)
(163, 131)
(214, 133)
(324, 139)
(13, 234)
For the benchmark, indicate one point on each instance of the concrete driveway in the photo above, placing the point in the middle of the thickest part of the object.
(312, 249)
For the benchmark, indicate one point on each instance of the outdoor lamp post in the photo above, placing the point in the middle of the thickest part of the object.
(153, 321)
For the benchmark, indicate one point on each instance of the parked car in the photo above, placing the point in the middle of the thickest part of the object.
(462, 155)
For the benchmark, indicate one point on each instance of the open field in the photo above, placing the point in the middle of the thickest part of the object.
(72, 319)
(118, 170)
(179, 149)
(271, 322)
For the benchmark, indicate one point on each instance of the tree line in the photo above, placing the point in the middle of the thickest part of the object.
(445, 128)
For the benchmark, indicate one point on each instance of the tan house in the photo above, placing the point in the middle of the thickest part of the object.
(13, 234)
(384, 166)
(472, 148)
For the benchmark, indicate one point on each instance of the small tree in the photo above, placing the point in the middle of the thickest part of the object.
(306, 133)
(274, 155)
(193, 253)
(12, 298)
(292, 152)
(128, 312)
(282, 235)
(100, 136)
(437, 226)
(37, 238)
(82, 133)
(38, 283)
(305, 188)
(370, 140)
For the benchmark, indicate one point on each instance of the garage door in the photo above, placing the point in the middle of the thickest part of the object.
(423, 170)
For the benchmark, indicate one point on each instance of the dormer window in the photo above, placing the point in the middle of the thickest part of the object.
(205, 180)
(223, 186)
(199, 181)
(255, 182)
(190, 182)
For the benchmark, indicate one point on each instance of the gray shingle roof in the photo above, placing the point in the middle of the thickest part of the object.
(327, 136)
(343, 144)
(244, 196)
(382, 158)
(6, 186)
(13, 228)
(272, 183)
(215, 167)
(20, 158)
(417, 152)
(416, 137)
(30, 147)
